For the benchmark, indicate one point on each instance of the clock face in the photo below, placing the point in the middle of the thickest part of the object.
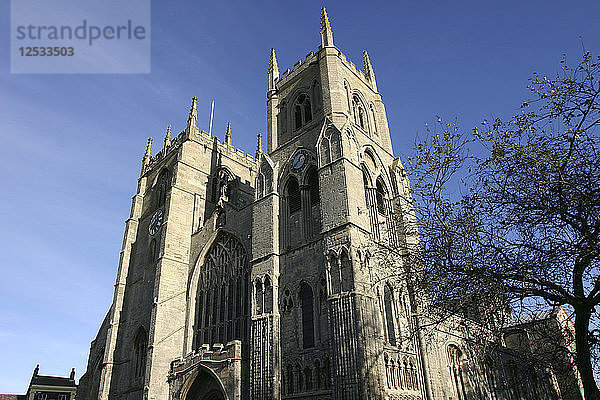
(298, 161)
(156, 222)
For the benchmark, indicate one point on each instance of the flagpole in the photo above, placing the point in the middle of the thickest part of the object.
(212, 110)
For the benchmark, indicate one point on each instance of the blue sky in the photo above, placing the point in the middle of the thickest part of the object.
(71, 145)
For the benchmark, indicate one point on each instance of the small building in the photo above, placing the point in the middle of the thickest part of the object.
(47, 387)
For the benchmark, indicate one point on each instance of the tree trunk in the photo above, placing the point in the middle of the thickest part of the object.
(584, 362)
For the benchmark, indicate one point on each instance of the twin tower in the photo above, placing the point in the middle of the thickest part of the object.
(256, 277)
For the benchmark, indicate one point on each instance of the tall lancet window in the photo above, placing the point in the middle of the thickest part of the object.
(308, 326)
(162, 185)
(302, 111)
(140, 348)
(457, 363)
(389, 315)
(360, 117)
(380, 196)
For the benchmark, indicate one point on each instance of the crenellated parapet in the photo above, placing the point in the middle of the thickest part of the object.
(301, 65)
(219, 367)
(365, 76)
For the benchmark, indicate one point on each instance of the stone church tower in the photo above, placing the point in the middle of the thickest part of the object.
(250, 277)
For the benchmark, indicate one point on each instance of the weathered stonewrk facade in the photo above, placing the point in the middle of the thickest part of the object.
(250, 277)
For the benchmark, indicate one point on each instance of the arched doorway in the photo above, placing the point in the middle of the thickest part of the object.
(206, 386)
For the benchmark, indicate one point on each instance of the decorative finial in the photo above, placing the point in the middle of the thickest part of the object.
(228, 134)
(193, 117)
(148, 152)
(36, 370)
(273, 72)
(72, 375)
(147, 156)
(368, 68)
(259, 148)
(168, 137)
(326, 32)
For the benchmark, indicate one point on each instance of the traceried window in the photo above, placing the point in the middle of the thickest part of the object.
(222, 297)
(140, 348)
(456, 359)
(302, 111)
(380, 196)
(162, 186)
(308, 326)
(360, 117)
(293, 196)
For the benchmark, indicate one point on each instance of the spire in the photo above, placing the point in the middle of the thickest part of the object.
(259, 148)
(326, 33)
(368, 68)
(273, 72)
(193, 117)
(168, 137)
(228, 134)
(147, 155)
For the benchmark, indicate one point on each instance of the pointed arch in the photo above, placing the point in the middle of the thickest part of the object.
(307, 307)
(336, 144)
(140, 350)
(381, 196)
(346, 271)
(457, 364)
(161, 187)
(316, 95)
(268, 295)
(203, 384)
(325, 151)
(359, 113)
(221, 286)
(374, 118)
(258, 296)
(302, 110)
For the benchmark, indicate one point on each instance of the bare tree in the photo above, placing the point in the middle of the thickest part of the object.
(509, 214)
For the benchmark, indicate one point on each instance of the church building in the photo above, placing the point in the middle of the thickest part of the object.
(256, 276)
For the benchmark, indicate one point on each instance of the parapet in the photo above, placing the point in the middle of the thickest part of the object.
(206, 353)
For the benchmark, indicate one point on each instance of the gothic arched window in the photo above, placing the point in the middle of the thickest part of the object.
(312, 180)
(308, 326)
(140, 348)
(293, 196)
(223, 285)
(302, 111)
(457, 360)
(380, 196)
(360, 117)
(346, 272)
(162, 185)
(372, 107)
(152, 251)
(268, 296)
(389, 315)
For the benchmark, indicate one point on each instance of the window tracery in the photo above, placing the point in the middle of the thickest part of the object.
(222, 298)
(302, 111)
(358, 111)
